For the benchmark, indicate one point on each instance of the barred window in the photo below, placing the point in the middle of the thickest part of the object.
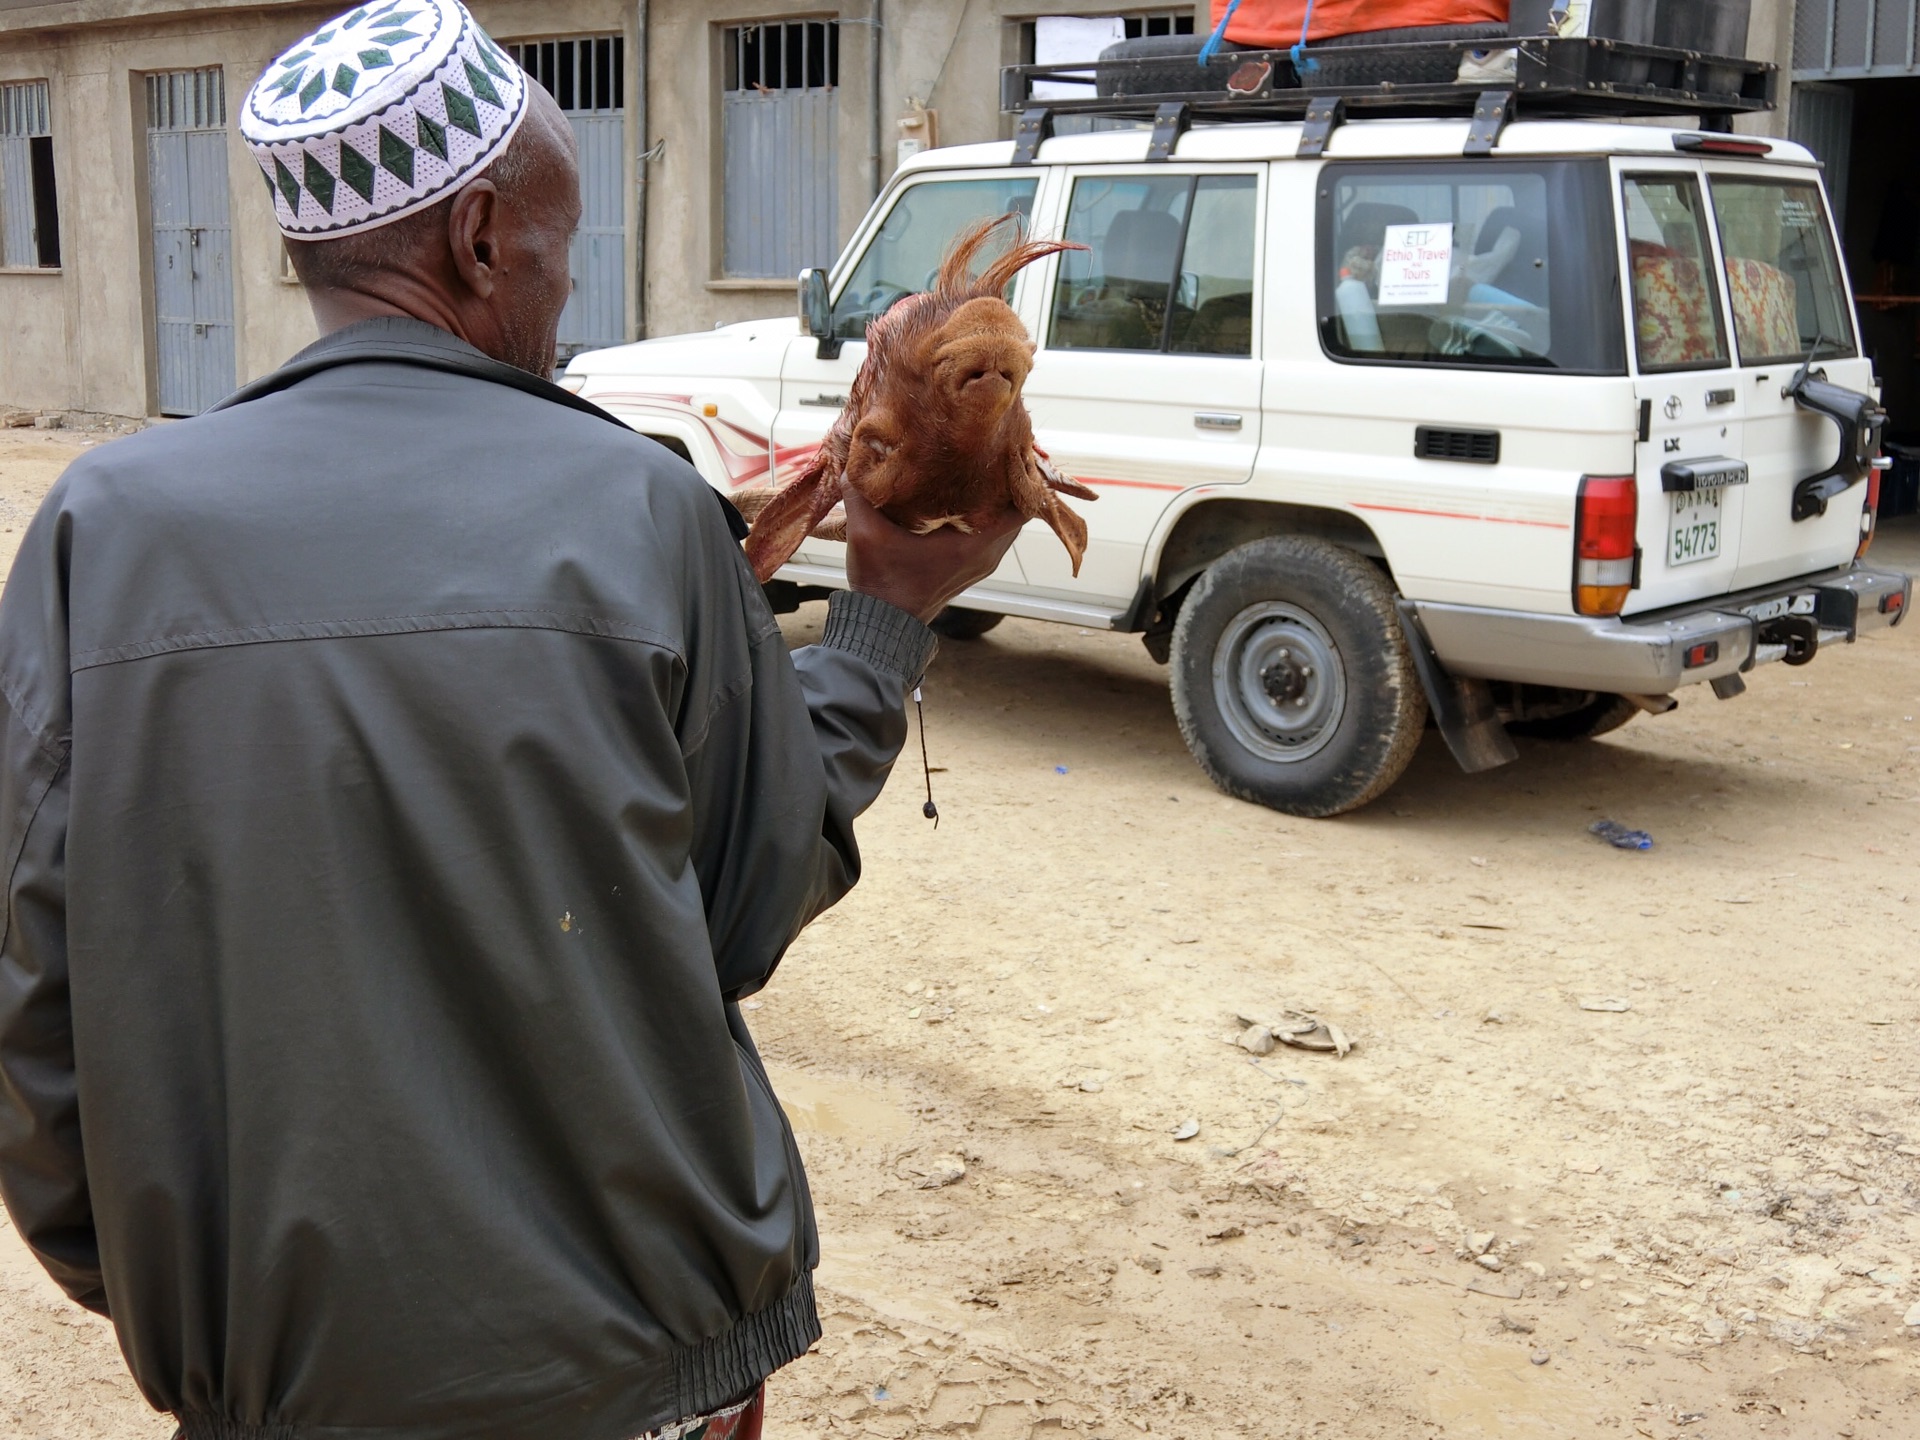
(29, 207)
(584, 76)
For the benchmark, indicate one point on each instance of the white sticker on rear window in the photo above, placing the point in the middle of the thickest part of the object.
(1416, 264)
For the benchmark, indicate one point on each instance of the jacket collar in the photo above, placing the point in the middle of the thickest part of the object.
(403, 340)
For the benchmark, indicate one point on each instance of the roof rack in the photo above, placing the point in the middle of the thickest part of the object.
(1551, 78)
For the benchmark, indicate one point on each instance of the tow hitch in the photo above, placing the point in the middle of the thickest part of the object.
(1799, 633)
(1860, 422)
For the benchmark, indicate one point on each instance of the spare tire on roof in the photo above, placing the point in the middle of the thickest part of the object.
(1412, 67)
(1169, 65)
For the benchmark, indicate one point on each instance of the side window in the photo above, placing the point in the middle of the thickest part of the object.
(1676, 305)
(1447, 265)
(905, 253)
(29, 208)
(1168, 265)
(1782, 274)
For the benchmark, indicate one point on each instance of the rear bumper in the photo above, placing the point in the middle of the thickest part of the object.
(1648, 654)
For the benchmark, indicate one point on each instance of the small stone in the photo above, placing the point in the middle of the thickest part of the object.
(1869, 1197)
(1493, 1017)
(1724, 1255)
(1226, 1232)
(1256, 1040)
(1186, 1129)
(1205, 1272)
(941, 1171)
(1913, 1316)
(1884, 1276)
(1716, 1328)
(1091, 1086)
(1534, 1268)
(1480, 1241)
(1606, 1004)
(1490, 1262)
(1149, 1263)
(1540, 1357)
(1586, 1284)
(1514, 1325)
(48, 422)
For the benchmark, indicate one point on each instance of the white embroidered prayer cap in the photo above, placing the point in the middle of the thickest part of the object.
(379, 113)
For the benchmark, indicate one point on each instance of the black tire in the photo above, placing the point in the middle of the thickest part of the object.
(1241, 649)
(954, 623)
(1167, 65)
(1599, 716)
(1440, 67)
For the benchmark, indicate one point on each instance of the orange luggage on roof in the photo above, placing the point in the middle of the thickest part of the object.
(1275, 24)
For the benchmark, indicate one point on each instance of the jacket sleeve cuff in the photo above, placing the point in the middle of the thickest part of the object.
(883, 635)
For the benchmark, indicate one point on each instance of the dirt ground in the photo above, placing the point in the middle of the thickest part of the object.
(1695, 1213)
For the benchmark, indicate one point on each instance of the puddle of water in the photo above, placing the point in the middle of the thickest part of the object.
(843, 1109)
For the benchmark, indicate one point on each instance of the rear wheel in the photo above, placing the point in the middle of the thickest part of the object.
(1292, 680)
(955, 623)
(1599, 716)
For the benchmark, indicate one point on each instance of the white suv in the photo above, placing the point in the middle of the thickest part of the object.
(1527, 440)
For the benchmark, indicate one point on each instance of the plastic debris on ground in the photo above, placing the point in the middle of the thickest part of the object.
(1619, 836)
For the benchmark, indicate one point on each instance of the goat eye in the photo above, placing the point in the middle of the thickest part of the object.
(879, 447)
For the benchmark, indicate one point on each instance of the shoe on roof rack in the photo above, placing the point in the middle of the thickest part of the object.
(1552, 77)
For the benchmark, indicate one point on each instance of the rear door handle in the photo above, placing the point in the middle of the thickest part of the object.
(1216, 420)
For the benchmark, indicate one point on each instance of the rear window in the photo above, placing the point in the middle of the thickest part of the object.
(1783, 278)
(1498, 265)
(1676, 306)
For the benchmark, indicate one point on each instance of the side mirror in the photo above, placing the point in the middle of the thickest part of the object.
(1860, 423)
(816, 307)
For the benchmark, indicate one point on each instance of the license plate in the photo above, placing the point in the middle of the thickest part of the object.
(1693, 529)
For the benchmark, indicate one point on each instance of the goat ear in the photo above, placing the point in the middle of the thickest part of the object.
(870, 464)
(783, 523)
(1071, 529)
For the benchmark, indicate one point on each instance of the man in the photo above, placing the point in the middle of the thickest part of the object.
(402, 779)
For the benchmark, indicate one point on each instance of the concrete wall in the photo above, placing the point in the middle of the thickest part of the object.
(87, 342)
(80, 338)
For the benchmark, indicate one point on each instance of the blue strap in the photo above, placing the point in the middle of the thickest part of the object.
(1220, 30)
(1302, 64)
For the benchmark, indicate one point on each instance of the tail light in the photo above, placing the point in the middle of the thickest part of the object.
(1603, 543)
(1870, 512)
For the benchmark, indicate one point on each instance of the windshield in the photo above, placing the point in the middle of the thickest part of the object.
(1495, 266)
(904, 254)
(1782, 274)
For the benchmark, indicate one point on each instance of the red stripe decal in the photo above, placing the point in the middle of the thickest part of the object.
(1128, 484)
(1456, 515)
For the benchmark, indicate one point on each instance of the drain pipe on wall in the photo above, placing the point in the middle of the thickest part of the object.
(642, 158)
(873, 83)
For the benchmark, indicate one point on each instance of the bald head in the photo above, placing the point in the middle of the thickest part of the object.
(488, 263)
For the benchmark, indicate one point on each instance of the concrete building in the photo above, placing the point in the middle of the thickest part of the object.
(724, 146)
(1856, 71)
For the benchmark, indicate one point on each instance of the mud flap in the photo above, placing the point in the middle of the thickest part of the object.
(1462, 708)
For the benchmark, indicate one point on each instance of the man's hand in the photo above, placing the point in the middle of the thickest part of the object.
(919, 573)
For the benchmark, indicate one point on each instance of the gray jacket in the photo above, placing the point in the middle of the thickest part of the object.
(402, 778)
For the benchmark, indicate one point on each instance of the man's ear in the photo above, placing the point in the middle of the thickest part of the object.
(473, 222)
